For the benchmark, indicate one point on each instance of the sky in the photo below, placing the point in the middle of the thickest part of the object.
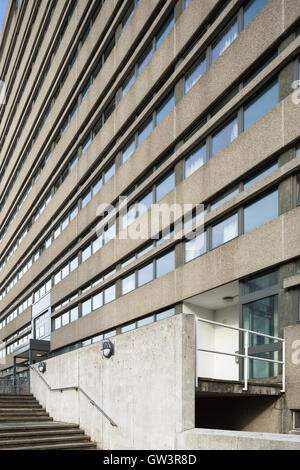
(3, 5)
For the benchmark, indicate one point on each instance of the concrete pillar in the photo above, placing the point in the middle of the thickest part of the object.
(286, 297)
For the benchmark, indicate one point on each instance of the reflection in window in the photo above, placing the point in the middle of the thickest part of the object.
(262, 282)
(228, 195)
(225, 231)
(251, 9)
(195, 247)
(261, 104)
(145, 275)
(225, 136)
(164, 30)
(165, 186)
(195, 161)
(224, 42)
(260, 175)
(128, 151)
(165, 108)
(145, 131)
(128, 284)
(194, 74)
(165, 264)
(261, 211)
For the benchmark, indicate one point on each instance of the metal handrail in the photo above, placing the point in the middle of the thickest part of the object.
(77, 389)
(243, 356)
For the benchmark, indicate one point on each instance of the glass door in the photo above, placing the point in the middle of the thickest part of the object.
(259, 312)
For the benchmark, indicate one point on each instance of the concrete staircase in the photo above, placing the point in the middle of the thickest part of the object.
(25, 425)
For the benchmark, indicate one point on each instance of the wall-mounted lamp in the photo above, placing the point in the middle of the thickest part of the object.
(107, 349)
(42, 367)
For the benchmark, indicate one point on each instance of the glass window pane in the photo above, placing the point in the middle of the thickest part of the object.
(74, 264)
(97, 244)
(195, 247)
(128, 83)
(194, 74)
(130, 327)
(65, 319)
(65, 271)
(261, 104)
(224, 41)
(57, 323)
(165, 186)
(223, 199)
(86, 198)
(128, 284)
(261, 316)
(74, 314)
(73, 212)
(166, 314)
(145, 59)
(145, 131)
(86, 307)
(109, 173)
(261, 211)
(251, 9)
(261, 282)
(97, 300)
(165, 264)
(144, 204)
(86, 253)
(97, 186)
(225, 136)
(260, 175)
(86, 144)
(110, 294)
(225, 231)
(164, 30)
(145, 275)
(145, 321)
(164, 109)
(195, 161)
(128, 151)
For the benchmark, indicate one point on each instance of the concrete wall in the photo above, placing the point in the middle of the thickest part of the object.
(147, 387)
(212, 439)
(292, 337)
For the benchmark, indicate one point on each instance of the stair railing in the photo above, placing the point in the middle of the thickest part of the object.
(77, 389)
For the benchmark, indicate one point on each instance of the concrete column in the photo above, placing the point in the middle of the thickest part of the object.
(286, 297)
(179, 254)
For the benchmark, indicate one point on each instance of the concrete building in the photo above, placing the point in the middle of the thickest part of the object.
(180, 104)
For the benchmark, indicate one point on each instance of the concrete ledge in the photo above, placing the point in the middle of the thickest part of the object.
(211, 387)
(217, 439)
(291, 281)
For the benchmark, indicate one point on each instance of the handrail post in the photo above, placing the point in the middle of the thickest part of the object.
(283, 366)
(246, 360)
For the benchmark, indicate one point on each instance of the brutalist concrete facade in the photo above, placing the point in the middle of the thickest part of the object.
(83, 79)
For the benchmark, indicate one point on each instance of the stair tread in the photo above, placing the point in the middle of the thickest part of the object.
(65, 446)
(36, 426)
(40, 433)
(45, 440)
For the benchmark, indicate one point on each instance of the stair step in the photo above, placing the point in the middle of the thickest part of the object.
(21, 411)
(51, 433)
(65, 446)
(13, 419)
(29, 426)
(23, 406)
(37, 441)
(24, 396)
